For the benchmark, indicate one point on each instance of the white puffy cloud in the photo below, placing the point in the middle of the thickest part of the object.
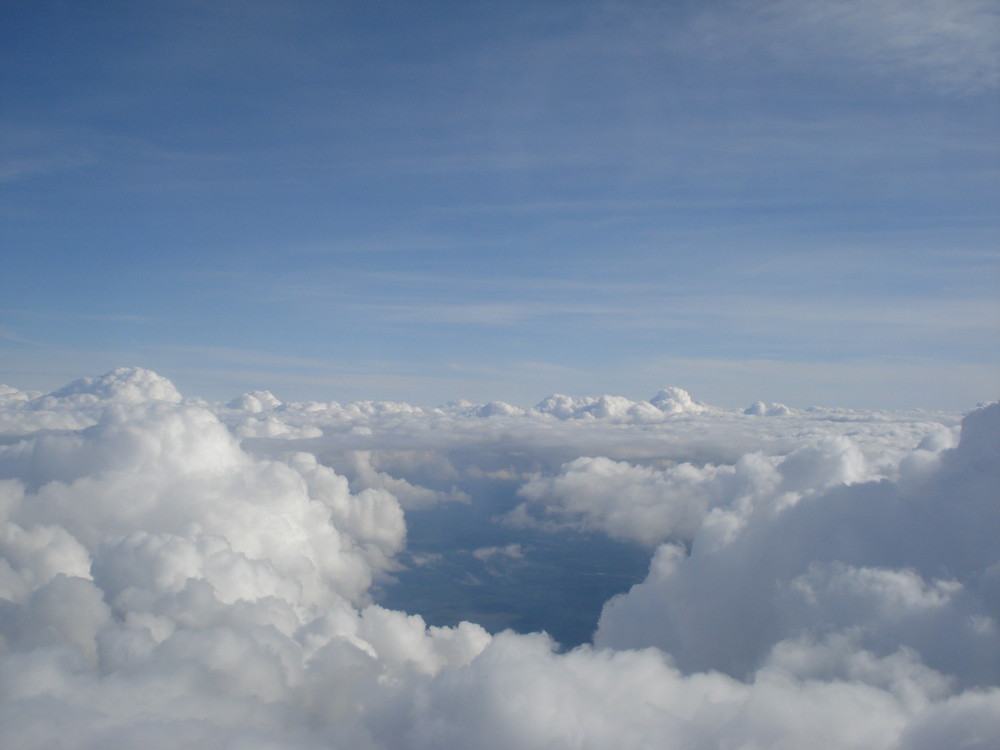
(908, 564)
(650, 505)
(10, 396)
(255, 402)
(518, 693)
(173, 576)
(360, 467)
(760, 409)
(123, 385)
(667, 401)
(629, 502)
(81, 403)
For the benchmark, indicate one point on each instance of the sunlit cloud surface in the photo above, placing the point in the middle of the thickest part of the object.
(180, 572)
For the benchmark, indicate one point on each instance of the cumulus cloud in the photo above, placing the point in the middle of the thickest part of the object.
(80, 403)
(518, 693)
(760, 409)
(650, 505)
(173, 576)
(909, 564)
(9, 395)
(124, 385)
(625, 501)
(666, 401)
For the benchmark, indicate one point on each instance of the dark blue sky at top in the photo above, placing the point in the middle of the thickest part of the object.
(425, 201)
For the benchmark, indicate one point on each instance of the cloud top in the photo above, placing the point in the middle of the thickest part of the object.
(168, 579)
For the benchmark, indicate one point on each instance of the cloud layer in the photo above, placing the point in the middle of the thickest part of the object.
(177, 573)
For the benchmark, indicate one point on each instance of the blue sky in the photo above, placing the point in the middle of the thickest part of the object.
(774, 200)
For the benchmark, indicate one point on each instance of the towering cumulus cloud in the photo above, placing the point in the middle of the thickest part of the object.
(891, 567)
(182, 574)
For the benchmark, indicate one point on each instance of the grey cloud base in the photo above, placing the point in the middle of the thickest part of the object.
(175, 573)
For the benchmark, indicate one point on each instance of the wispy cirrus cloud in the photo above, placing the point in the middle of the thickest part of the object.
(947, 47)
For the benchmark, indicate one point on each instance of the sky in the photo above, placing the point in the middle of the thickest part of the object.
(773, 200)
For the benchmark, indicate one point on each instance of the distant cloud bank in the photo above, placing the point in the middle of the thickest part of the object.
(179, 573)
